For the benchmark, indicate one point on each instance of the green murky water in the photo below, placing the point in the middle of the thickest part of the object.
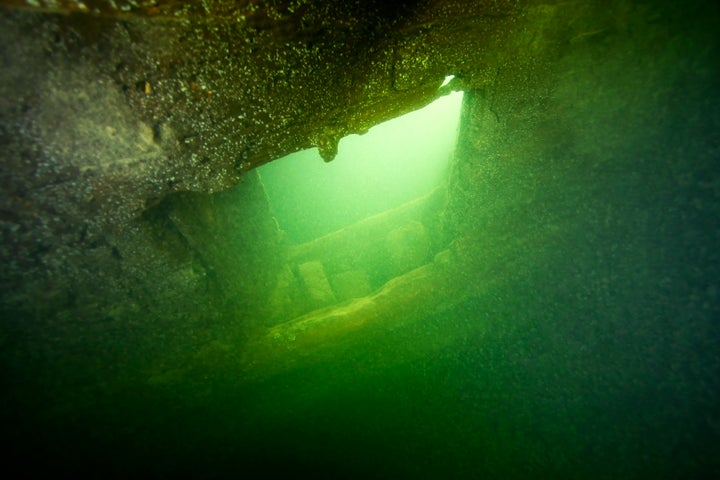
(552, 310)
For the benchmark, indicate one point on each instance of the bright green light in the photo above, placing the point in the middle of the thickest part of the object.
(394, 162)
(447, 80)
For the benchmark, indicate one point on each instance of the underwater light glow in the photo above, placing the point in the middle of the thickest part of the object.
(447, 80)
(395, 162)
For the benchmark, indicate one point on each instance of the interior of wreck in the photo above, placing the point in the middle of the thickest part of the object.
(360, 239)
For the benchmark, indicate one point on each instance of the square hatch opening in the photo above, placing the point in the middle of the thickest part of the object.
(395, 162)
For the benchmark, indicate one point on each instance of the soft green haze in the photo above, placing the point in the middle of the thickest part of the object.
(394, 162)
(550, 312)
